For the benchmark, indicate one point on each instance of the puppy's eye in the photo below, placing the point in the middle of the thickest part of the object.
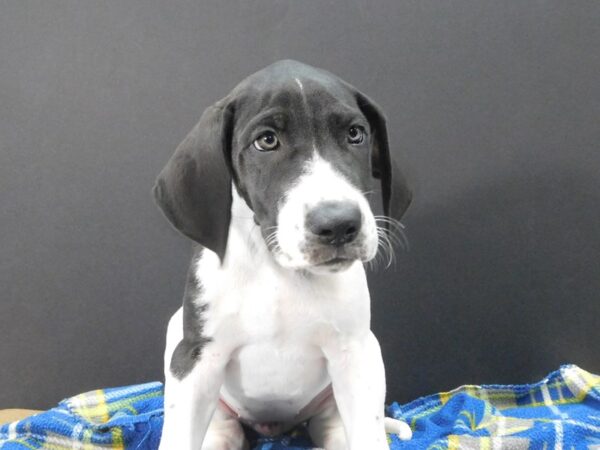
(266, 142)
(356, 134)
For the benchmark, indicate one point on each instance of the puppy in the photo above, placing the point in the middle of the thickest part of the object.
(275, 325)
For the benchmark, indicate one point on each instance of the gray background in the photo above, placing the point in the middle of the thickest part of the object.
(494, 107)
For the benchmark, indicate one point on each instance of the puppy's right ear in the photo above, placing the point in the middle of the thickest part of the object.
(194, 188)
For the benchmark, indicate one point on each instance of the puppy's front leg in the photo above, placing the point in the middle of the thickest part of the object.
(358, 378)
(190, 401)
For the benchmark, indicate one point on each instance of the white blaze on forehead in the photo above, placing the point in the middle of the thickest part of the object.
(307, 109)
(319, 182)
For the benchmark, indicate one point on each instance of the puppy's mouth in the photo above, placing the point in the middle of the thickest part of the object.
(331, 265)
(331, 259)
(335, 262)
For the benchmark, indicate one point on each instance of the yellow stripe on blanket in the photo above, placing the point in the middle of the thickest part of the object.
(453, 442)
(117, 436)
(92, 406)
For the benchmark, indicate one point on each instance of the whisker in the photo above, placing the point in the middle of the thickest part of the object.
(387, 245)
(395, 231)
(382, 249)
(271, 240)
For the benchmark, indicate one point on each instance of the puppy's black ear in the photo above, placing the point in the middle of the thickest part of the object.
(396, 195)
(194, 189)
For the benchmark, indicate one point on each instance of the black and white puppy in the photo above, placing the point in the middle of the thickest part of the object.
(275, 325)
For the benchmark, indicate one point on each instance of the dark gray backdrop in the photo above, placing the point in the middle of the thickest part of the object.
(493, 105)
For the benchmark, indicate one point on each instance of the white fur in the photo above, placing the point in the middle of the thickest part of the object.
(307, 108)
(280, 336)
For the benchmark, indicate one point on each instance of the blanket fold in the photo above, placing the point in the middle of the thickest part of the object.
(560, 412)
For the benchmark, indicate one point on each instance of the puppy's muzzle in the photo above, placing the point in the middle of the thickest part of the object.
(334, 223)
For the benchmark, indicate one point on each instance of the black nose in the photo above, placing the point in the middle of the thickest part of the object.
(334, 223)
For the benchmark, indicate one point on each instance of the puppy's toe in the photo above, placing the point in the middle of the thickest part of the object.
(399, 428)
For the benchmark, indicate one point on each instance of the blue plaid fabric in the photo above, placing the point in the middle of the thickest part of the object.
(560, 412)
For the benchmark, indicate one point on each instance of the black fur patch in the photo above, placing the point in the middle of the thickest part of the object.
(189, 350)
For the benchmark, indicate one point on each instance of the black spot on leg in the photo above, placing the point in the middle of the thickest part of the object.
(186, 355)
(196, 352)
(189, 350)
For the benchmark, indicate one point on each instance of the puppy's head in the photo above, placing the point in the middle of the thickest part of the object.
(300, 146)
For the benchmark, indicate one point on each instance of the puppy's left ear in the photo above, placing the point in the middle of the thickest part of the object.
(396, 195)
(194, 188)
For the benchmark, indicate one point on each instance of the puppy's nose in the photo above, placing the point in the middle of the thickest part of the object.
(334, 223)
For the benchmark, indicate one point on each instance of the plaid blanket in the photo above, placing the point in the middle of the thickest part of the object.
(560, 412)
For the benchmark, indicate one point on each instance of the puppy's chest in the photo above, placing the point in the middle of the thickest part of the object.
(274, 326)
(269, 310)
(251, 298)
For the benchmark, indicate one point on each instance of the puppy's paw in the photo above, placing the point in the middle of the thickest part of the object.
(398, 427)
